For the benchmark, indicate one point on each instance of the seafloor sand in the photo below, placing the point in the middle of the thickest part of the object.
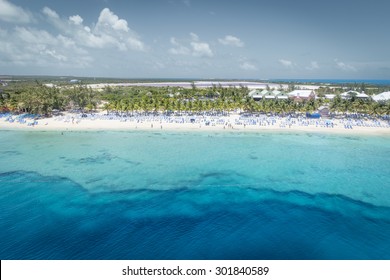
(229, 124)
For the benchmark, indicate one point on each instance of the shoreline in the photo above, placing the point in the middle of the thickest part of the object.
(232, 123)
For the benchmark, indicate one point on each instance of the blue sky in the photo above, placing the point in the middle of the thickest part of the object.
(196, 39)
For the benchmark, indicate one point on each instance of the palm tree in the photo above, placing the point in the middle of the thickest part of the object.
(336, 104)
(107, 106)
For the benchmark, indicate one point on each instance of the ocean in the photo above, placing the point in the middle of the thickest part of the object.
(336, 81)
(193, 195)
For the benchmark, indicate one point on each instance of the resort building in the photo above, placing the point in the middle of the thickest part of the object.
(255, 94)
(349, 94)
(264, 92)
(352, 93)
(382, 97)
(302, 94)
(258, 95)
(269, 95)
(282, 95)
(362, 96)
(330, 96)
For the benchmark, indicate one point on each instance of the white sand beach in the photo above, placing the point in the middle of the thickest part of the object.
(233, 122)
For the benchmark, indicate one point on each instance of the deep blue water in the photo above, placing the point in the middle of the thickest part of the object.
(220, 213)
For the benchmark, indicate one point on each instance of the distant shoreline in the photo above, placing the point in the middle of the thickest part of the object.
(92, 79)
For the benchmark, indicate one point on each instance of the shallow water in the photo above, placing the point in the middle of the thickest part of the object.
(143, 195)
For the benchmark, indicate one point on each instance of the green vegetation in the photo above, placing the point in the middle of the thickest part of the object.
(36, 98)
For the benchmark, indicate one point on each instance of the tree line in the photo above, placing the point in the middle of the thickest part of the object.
(39, 99)
(43, 100)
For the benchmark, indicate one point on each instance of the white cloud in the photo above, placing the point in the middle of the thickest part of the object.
(194, 37)
(71, 44)
(313, 65)
(231, 41)
(78, 20)
(187, 3)
(174, 42)
(195, 47)
(32, 36)
(345, 67)
(112, 21)
(54, 54)
(33, 47)
(12, 13)
(50, 13)
(201, 49)
(135, 44)
(248, 66)
(286, 63)
(178, 49)
(54, 19)
(109, 31)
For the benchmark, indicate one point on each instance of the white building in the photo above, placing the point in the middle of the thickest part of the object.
(255, 94)
(265, 94)
(382, 97)
(349, 94)
(362, 95)
(330, 96)
(302, 94)
(282, 95)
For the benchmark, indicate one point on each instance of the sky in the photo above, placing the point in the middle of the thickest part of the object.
(209, 39)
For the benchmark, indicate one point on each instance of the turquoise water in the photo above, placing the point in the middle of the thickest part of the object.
(144, 195)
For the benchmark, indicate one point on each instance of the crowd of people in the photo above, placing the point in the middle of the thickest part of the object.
(226, 121)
